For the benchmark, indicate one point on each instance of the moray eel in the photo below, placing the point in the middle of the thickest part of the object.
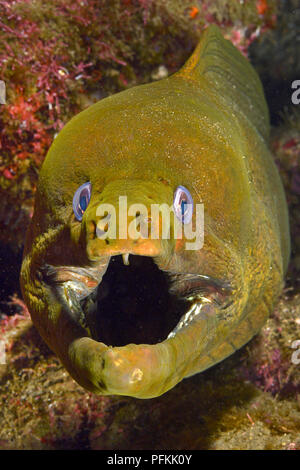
(134, 315)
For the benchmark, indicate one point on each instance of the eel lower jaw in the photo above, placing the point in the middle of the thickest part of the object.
(133, 370)
(140, 371)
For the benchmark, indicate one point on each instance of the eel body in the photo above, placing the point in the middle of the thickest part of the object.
(134, 315)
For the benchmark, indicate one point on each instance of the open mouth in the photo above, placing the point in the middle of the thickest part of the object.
(133, 303)
(141, 325)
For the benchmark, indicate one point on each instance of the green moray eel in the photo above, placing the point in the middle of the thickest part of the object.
(135, 315)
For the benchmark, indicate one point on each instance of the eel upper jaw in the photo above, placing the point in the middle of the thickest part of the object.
(139, 370)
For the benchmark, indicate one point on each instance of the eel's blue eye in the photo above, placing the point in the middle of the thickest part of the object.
(183, 205)
(81, 200)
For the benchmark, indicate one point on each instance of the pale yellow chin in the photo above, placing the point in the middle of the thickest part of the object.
(133, 370)
(141, 371)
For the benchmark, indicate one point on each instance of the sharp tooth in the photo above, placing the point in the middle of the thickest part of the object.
(126, 259)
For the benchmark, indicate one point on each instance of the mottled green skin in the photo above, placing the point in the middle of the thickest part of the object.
(206, 128)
